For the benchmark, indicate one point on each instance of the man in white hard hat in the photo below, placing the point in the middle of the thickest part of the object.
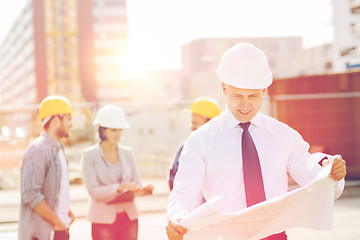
(242, 155)
(45, 199)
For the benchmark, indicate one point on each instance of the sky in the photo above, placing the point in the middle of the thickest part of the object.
(158, 28)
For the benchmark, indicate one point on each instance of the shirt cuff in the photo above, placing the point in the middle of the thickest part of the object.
(338, 188)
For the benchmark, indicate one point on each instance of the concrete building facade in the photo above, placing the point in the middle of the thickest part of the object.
(346, 22)
(110, 34)
(21, 80)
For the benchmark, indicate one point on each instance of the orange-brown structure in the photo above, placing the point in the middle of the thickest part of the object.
(325, 109)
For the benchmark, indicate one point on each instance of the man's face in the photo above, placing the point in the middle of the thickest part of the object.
(243, 103)
(197, 120)
(64, 126)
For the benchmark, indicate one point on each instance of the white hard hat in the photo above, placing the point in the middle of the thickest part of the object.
(111, 116)
(245, 66)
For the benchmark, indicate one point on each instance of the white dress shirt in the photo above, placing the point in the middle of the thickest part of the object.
(211, 163)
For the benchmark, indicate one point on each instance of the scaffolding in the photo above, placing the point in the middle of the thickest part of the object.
(62, 48)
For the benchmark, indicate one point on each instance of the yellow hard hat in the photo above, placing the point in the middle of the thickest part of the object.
(206, 107)
(54, 105)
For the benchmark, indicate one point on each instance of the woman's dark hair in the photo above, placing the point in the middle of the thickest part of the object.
(101, 133)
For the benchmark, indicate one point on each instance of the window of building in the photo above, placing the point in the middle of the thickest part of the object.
(348, 51)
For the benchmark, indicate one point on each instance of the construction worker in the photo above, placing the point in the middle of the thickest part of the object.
(109, 169)
(202, 110)
(44, 208)
(243, 156)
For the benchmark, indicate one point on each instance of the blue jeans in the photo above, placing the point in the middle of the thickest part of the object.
(122, 229)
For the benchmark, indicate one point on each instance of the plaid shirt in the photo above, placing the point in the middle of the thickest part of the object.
(40, 180)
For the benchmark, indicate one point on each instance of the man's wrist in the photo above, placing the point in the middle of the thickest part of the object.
(120, 189)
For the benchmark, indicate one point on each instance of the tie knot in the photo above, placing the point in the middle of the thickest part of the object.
(245, 126)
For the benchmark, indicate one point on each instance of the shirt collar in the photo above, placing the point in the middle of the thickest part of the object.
(102, 152)
(233, 122)
(51, 141)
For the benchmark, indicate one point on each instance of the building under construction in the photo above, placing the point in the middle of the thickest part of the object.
(68, 47)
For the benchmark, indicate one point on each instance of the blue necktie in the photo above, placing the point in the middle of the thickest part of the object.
(253, 180)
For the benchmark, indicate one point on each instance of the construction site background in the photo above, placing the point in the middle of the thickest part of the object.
(154, 136)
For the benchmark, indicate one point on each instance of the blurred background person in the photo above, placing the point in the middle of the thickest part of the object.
(45, 186)
(109, 169)
(202, 110)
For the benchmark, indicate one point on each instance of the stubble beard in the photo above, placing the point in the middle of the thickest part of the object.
(63, 132)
